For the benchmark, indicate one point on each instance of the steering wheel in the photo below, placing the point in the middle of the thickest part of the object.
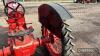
(12, 8)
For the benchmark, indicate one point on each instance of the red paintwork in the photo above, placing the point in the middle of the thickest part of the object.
(28, 46)
(57, 42)
(5, 51)
(25, 49)
(16, 22)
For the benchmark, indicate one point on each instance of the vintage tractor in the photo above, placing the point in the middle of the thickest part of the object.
(56, 39)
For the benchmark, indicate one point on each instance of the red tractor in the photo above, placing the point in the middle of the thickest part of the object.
(55, 39)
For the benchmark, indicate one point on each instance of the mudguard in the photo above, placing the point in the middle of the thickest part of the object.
(52, 16)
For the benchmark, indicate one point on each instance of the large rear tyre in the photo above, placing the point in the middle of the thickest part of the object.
(67, 41)
(52, 17)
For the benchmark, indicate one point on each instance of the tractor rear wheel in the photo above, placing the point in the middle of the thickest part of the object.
(67, 41)
(52, 17)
